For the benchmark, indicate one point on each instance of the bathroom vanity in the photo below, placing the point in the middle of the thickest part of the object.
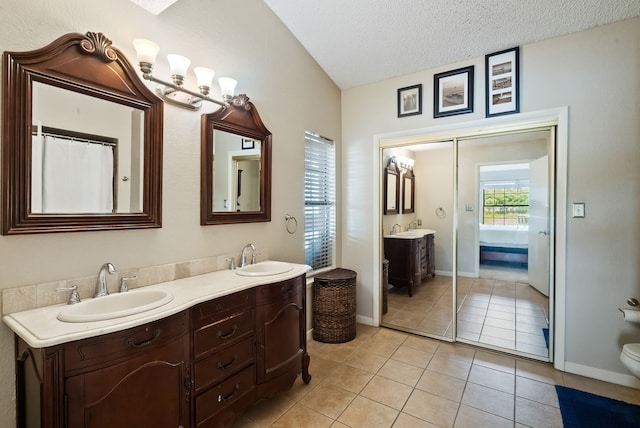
(411, 257)
(224, 343)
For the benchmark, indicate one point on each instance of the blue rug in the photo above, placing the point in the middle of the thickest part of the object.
(584, 410)
(545, 333)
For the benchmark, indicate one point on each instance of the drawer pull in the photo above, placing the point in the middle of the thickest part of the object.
(229, 364)
(132, 344)
(227, 336)
(222, 399)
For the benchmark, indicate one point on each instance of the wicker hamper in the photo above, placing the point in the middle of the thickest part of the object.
(334, 306)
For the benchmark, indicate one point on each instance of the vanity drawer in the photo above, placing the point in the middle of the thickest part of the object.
(222, 307)
(279, 291)
(224, 395)
(213, 336)
(223, 364)
(94, 352)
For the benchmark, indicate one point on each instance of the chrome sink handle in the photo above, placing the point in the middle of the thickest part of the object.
(123, 283)
(74, 297)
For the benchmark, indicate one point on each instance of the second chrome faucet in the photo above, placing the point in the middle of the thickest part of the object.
(101, 282)
(243, 259)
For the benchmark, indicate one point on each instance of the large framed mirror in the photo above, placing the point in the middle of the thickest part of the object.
(392, 188)
(82, 140)
(236, 165)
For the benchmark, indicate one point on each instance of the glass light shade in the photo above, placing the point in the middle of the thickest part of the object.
(227, 86)
(204, 76)
(146, 50)
(178, 65)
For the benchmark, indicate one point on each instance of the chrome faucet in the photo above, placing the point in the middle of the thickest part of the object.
(101, 283)
(393, 228)
(243, 260)
(412, 225)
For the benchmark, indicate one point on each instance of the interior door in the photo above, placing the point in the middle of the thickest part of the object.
(538, 270)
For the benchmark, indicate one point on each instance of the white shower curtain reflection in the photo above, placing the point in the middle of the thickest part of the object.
(77, 177)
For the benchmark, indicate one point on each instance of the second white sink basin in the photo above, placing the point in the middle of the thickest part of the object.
(264, 269)
(115, 306)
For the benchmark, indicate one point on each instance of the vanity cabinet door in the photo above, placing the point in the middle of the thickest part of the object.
(151, 389)
(281, 335)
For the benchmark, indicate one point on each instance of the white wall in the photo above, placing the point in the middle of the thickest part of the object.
(242, 39)
(594, 73)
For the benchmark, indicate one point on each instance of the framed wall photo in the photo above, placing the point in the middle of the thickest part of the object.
(248, 144)
(503, 82)
(453, 92)
(410, 100)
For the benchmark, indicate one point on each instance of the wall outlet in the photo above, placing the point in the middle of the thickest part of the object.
(468, 207)
(419, 222)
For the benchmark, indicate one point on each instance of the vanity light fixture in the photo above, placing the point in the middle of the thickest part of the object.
(173, 92)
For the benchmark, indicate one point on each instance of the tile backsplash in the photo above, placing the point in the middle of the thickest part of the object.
(49, 293)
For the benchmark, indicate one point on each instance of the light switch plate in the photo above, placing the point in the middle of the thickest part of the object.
(578, 210)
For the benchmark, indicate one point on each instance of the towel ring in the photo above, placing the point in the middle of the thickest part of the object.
(291, 224)
(440, 212)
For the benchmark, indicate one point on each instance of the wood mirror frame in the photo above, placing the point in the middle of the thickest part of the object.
(392, 188)
(240, 118)
(408, 192)
(89, 65)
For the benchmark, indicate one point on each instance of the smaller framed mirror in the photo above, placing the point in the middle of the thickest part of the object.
(391, 188)
(408, 191)
(236, 165)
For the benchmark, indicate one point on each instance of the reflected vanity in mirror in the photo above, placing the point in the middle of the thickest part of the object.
(82, 141)
(236, 165)
(391, 188)
(408, 191)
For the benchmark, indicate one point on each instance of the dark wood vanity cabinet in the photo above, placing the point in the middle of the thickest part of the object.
(199, 368)
(132, 378)
(410, 261)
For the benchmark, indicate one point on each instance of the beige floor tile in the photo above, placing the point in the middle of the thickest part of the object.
(469, 417)
(337, 424)
(328, 399)
(301, 416)
(402, 372)
(365, 413)
(537, 415)
(495, 361)
(531, 349)
(431, 408)
(628, 395)
(501, 333)
(407, 421)
(388, 392)
(365, 361)
(492, 378)
(412, 356)
(543, 372)
(497, 341)
(456, 351)
(380, 346)
(450, 367)
(489, 400)
(593, 386)
(320, 367)
(534, 390)
(441, 385)
(267, 412)
(501, 323)
(349, 378)
(422, 343)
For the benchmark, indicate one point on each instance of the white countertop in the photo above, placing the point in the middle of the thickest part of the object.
(41, 328)
(412, 234)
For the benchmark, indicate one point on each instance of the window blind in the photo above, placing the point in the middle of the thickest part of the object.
(319, 201)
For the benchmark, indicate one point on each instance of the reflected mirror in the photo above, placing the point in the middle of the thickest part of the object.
(82, 140)
(236, 168)
(408, 191)
(391, 188)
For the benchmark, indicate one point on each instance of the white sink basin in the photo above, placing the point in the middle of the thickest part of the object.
(115, 306)
(264, 269)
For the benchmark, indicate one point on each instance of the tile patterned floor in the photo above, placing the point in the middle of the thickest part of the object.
(385, 378)
(498, 309)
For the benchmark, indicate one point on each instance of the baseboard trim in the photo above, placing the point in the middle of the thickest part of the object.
(604, 375)
(361, 319)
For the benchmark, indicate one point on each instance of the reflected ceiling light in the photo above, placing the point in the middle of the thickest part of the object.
(173, 92)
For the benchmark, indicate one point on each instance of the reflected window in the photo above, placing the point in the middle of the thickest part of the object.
(505, 194)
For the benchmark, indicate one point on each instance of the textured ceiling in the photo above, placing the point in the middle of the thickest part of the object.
(363, 41)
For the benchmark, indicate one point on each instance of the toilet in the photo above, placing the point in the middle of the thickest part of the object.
(630, 357)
